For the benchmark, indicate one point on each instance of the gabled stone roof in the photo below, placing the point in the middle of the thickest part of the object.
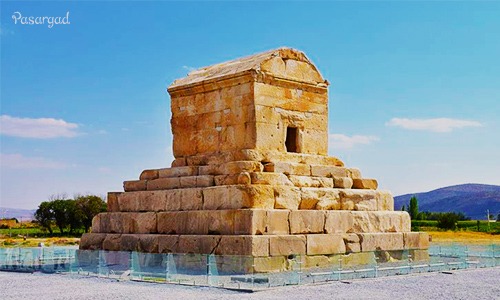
(264, 62)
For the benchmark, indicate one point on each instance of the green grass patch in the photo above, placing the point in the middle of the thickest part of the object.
(472, 225)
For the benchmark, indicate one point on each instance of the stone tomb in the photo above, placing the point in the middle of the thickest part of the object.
(252, 177)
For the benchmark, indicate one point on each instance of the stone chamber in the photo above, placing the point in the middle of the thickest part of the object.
(252, 177)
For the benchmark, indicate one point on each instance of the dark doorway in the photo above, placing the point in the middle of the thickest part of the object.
(291, 139)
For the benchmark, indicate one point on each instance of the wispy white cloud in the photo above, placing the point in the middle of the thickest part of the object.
(42, 128)
(188, 68)
(342, 141)
(434, 125)
(18, 161)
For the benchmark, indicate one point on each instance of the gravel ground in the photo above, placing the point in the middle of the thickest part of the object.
(466, 284)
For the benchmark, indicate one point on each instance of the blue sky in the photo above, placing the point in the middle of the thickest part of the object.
(414, 95)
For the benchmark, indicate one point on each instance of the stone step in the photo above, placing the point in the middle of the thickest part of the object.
(251, 196)
(256, 245)
(252, 222)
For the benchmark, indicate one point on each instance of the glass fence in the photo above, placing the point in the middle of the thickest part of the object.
(245, 272)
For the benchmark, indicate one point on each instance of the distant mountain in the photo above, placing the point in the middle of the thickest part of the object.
(19, 214)
(471, 199)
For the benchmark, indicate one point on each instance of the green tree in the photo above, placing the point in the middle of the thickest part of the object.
(413, 208)
(73, 215)
(403, 208)
(447, 221)
(44, 215)
(88, 207)
(62, 213)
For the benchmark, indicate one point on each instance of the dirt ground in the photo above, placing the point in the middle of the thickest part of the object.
(464, 237)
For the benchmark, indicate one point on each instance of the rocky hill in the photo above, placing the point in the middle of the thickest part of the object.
(471, 199)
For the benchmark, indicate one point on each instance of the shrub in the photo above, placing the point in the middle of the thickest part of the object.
(447, 221)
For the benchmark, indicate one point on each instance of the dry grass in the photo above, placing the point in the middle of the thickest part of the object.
(33, 242)
(464, 237)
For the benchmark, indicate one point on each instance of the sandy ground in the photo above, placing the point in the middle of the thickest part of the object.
(466, 284)
(464, 237)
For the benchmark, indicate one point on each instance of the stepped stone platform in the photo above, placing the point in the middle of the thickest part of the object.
(252, 177)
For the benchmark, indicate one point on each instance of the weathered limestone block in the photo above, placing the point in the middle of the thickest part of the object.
(204, 181)
(178, 171)
(277, 222)
(385, 201)
(416, 240)
(328, 171)
(151, 200)
(221, 222)
(244, 178)
(168, 243)
(149, 174)
(211, 169)
(112, 201)
(270, 136)
(236, 167)
(238, 196)
(269, 264)
(419, 255)
(178, 162)
(308, 181)
(196, 159)
(254, 245)
(173, 199)
(320, 198)
(370, 184)
(287, 245)
(288, 168)
(111, 242)
(271, 156)
(117, 222)
(171, 222)
(316, 261)
(381, 241)
(354, 173)
(164, 183)
(191, 199)
(342, 182)
(128, 201)
(381, 221)
(249, 221)
(286, 197)
(134, 185)
(270, 178)
(363, 200)
(143, 222)
(325, 244)
(351, 241)
(187, 181)
(96, 224)
(307, 221)
(358, 259)
(92, 241)
(129, 242)
(315, 141)
(226, 179)
(339, 222)
(148, 243)
(183, 222)
(203, 244)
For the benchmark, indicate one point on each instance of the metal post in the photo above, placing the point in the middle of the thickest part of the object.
(340, 266)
